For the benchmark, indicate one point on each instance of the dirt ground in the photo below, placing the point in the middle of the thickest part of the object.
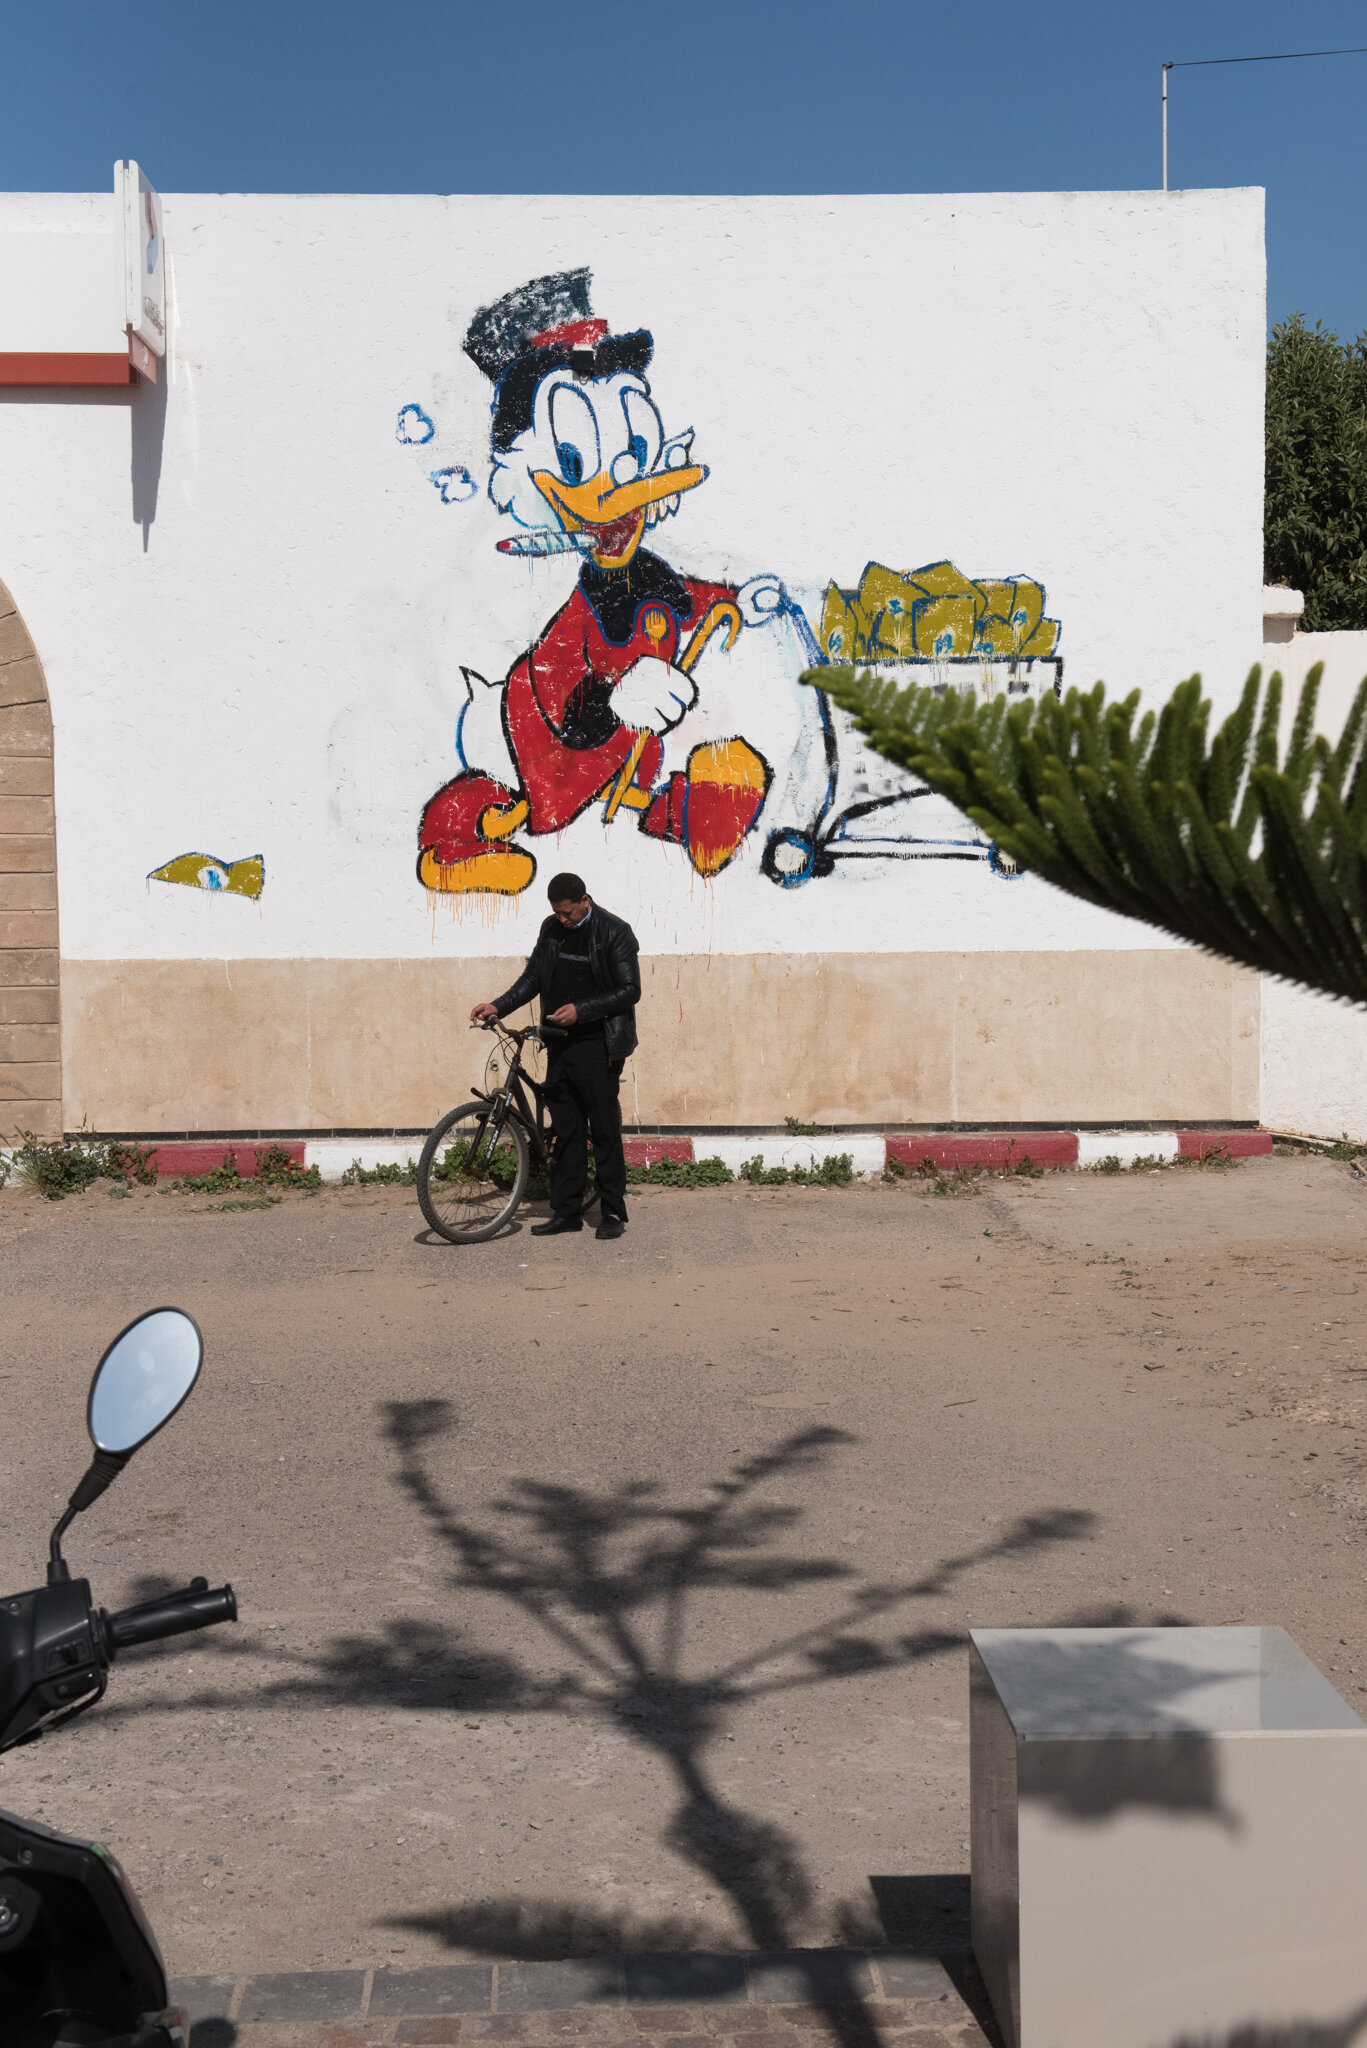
(615, 1596)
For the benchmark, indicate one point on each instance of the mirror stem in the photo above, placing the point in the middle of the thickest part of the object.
(104, 1467)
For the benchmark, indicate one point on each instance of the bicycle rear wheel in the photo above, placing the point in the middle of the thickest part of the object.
(470, 1180)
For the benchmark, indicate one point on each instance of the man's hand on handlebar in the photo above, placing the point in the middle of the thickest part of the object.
(484, 1013)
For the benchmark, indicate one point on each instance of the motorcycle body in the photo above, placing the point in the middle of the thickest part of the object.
(79, 1964)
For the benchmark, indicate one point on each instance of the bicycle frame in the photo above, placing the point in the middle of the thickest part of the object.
(511, 1098)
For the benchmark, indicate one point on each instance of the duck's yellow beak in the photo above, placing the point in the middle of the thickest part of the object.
(615, 513)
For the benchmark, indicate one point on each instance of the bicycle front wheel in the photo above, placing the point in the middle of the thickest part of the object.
(472, 1175)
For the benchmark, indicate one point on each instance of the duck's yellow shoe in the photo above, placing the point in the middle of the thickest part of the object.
(462, 846)
(727, 784)
(502, 871)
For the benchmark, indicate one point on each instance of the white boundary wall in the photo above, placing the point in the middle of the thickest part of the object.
(257, 648)
(1314, 1050)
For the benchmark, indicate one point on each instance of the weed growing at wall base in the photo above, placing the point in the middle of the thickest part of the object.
(55, 1167)
(680, 1173)
(960, 1180)
(835, 1172)
(274, 1169)
(391, 1173)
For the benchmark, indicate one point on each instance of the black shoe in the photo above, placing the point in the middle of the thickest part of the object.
(555, 1225)
(611, 1226)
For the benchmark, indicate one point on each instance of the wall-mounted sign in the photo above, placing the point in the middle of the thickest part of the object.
(144, 267)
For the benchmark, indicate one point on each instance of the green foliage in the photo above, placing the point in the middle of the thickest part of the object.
(389, 1174)
(125, 1161)
(218, 1180)
(835, 1172)
(680, 1173)
(274, 1169)
(1261, 860)
(797, 1129)
(55, 1167)
(1315, 505)
(960, 1180)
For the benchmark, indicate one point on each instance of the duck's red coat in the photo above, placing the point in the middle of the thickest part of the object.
(551, 688)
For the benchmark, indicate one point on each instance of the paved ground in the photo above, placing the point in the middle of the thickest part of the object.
(601, 1599)
(679, 2001)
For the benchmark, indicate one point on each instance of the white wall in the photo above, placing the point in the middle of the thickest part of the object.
(1067, 386)
(1344, 656)
(1314, 1063)
(1314, 1050)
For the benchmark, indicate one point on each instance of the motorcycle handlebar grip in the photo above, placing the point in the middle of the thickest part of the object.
(175, 1613)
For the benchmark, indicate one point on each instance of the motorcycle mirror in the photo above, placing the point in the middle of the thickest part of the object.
(143, 1378)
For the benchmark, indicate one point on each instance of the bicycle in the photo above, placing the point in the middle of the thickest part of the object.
(476, 1163)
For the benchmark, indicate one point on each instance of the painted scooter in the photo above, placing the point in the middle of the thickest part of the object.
(78, 1962)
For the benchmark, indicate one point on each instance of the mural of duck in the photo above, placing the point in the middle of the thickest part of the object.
(582, 465)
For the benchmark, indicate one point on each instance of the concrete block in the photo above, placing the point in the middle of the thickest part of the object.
(15, 643)
(21, 682)
(1168, 1837)
(685, 1980)
(1126, 1146)
(44, 1119)
(19, 1042)
(30, 1005)
(25, 775)
(439, 1988)
(332, 1156)
(30, 1081)
(27, 853)
(28, 891)
(867, 1155)
(25, 813)
(28, 967)
(25, 728)
(555, 1986)
(810, 1976)
(303, 1995)
(28, 928)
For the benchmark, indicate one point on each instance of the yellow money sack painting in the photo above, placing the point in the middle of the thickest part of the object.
(935, 613)
(204, 871)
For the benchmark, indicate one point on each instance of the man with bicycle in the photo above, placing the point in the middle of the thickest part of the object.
(584, 969)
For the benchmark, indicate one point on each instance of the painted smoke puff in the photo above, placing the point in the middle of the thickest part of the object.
(583, 466)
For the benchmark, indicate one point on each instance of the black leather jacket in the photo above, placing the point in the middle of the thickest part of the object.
(616, 977)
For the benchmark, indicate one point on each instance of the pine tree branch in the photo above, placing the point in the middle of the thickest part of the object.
(1260, 859)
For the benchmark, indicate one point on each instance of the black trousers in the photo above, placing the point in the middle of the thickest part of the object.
(581, 1095)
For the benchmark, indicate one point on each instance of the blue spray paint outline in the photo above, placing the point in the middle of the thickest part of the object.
(401, 434)
(442, 478)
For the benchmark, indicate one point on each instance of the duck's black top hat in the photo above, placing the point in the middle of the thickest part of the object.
(542, 326)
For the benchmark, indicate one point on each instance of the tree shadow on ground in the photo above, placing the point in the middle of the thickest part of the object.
(610, 1578)
(1345, 2033)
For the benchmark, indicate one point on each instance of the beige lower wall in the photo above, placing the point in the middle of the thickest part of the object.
(159, 1045)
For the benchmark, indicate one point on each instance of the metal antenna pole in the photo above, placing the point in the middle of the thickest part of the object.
(1166, 69)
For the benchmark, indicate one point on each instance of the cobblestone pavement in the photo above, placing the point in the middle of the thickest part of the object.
(705, 2001)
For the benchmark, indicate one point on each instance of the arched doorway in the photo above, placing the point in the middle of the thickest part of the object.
(30, 997)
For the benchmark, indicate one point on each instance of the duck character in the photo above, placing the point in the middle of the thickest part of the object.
(582, 465)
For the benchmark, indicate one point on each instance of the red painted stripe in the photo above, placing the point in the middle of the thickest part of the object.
(191, 1158)
(645, 1151)
(50, 368)
(986, 1148)
(1238, 1144)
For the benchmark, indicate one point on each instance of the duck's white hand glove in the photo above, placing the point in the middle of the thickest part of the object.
(652, 696)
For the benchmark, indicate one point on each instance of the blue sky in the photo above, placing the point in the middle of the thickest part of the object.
(708, 96)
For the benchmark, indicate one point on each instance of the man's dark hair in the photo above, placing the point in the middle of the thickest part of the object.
(566, 889)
